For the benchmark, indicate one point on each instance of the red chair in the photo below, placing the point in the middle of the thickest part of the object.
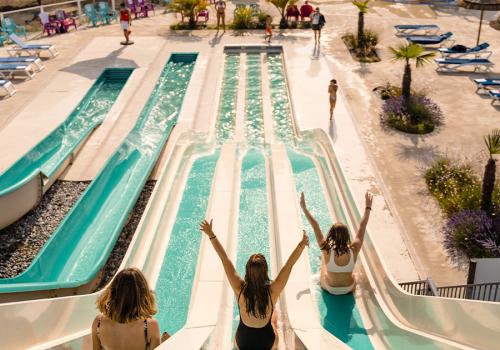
(65, 21)
(49, 27)
(203, 14)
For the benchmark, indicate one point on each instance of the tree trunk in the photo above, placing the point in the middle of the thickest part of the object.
(406, 88)
(488, 185)
(361, 32)
(283, 21)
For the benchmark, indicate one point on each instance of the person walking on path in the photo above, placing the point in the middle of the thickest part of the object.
(125, 23)
(220, 9)
(269, 29)
(256, 294)
(338, 254)
(317, 23)
(332, 91)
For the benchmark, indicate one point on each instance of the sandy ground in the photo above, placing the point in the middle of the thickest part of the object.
(399, 158)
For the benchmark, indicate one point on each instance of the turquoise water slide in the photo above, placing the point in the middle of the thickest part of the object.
(47, 159)
(82, 243)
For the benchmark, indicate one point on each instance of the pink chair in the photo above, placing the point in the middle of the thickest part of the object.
(65, 21)
(203, 14)
(48, 26)
(145, 7)
(133, 8)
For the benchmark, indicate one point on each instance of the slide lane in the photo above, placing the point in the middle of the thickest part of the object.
(48, 159)
(350, 318)
(81, 244)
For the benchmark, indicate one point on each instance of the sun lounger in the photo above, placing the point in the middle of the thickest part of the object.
(8, 87)
(410, 29)
(487, 84)
(452, 64)
(495, 95)
(477, 50)
(8, 70)
(429, 39)
(36, 61)
(30, 49)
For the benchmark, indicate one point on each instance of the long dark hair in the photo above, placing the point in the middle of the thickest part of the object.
(338, 239)
(256, 287)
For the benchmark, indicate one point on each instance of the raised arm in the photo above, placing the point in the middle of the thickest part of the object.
(279, 283)
(312, 221)
(232, 275)
(360, 236)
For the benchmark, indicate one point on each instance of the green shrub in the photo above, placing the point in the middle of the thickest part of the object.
(455, 186)
(368, 55)
(243, 18)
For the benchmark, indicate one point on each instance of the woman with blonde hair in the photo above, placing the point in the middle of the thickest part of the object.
(256, 294)
(127, 307)
(338, 253)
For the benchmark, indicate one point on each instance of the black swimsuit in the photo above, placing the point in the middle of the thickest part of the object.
(250, 338)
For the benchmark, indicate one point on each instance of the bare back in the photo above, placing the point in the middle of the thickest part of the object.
(126, 336)
(249, 319)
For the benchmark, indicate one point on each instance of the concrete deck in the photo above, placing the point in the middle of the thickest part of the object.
(405, 226)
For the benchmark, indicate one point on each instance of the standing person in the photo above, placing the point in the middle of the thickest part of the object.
(125, 23)
(125, 322)
(332, 91)
(269, 29)
(317, 23)
(338, 254)
(256, 294)
(220, 9)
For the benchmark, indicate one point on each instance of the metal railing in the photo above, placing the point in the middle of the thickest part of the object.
(480, 291)
(425, 287)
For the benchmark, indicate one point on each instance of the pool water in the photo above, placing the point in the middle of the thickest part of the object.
(228, 99)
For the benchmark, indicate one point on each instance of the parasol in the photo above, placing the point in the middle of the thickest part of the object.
(482, 5)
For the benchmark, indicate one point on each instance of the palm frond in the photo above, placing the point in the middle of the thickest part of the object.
(406, 51)
(361, 5)
(492, 142)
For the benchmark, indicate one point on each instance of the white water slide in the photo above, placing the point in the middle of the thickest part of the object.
(253, 151)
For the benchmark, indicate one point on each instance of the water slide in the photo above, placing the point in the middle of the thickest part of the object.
(25, 182)
(81, 244)
(222, 180)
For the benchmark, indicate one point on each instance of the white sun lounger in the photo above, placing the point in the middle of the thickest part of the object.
(452, 64)
(8, 70)
(21, 47)
(8, 87)
(411, 29)
(495, 95)
(486, 84)
(36, 61)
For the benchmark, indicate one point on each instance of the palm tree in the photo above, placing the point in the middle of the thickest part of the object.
(492, 142)
(281, 5)
(188, 8)
(363, 8)
(407, 52)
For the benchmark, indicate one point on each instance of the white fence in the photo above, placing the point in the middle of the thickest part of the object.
(45, 8)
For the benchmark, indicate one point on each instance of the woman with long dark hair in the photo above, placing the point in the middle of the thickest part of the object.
(256, 294)
(339, 254)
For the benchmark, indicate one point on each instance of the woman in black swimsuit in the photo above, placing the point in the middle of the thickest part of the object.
(256, 294)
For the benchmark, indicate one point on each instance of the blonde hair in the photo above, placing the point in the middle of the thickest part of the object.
(128, 297)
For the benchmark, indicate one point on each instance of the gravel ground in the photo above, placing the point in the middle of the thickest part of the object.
(21, 241)
(121, 245)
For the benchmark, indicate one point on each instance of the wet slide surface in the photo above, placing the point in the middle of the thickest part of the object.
(48, 155)
(82, 243)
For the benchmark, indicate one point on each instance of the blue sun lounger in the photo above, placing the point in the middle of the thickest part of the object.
(495, 95)
(452, 64)
(429, 39)
(8, 87)
(8, 70)
(487, 84)
(477, 50)
(410, 29)
(21, 47)
(36, 61)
